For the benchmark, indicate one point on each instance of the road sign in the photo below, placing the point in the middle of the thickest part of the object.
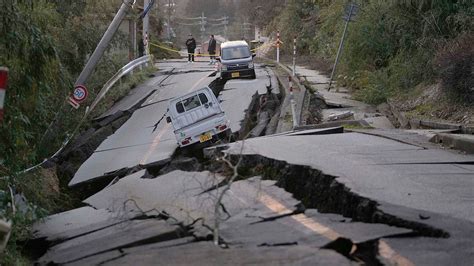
(73, 103)
(3, 88)
(350, 12)
(80, 93)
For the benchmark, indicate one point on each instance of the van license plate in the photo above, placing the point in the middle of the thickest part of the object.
(235, 74)
(205, 137)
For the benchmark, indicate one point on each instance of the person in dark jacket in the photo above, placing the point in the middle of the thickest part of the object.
(191, 45)
(141, 48)
(211, 48)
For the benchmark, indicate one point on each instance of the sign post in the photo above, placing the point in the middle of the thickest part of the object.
(292, 103)
(294, 56)
(350, 11)
(3, 88)
(278, 46)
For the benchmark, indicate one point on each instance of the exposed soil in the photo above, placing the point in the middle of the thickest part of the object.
(426, 102)
(432, 103)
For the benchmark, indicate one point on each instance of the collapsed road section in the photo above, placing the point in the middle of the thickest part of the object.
(136, 144)
(308, 197)
(257, 216)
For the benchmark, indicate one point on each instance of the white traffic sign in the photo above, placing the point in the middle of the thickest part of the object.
(73, 103)
(80, 93)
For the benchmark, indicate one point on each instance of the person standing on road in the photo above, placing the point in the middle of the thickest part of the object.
(191, 45)
(141, 48)
(211, 48)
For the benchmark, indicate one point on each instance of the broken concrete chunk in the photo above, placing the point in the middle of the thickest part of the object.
(132, 233)
(334, 117)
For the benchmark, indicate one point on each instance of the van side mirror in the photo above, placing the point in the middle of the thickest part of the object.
(168, 119)
(218, 58)
(254, 55)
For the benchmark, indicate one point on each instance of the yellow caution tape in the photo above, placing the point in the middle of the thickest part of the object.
(177, 51)
(164, 47)
(261, 47)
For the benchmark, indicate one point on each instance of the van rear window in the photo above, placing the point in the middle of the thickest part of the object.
(179, 107)
(191, 103)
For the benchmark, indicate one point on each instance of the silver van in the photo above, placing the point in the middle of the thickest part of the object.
(236, 60)
(197, 117)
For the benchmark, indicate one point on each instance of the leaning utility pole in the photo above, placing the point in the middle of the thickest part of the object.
(146, 23)
(104, 42)
(203, 28)
(132, 32)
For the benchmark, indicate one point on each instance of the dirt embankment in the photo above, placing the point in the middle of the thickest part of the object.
(425, 102)
(432, 103)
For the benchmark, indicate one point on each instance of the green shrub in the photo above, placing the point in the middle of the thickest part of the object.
(378, 88)
(45, 44)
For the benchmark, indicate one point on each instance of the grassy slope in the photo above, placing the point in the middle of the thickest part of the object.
(400, 50)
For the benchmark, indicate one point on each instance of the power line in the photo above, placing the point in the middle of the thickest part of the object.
(188, 24)
(196, 18)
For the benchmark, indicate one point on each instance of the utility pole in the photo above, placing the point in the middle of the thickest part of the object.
(226, 21)
(169, 20)
(104, 42)
(146, 23)
(294, 56)
(203, 28)
(246, 28)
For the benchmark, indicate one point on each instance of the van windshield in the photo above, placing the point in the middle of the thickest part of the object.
(235, 52)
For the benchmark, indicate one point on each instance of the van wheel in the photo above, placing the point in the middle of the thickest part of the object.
(253, 76)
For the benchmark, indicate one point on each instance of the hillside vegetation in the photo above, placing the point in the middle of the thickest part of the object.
(45, 45)
(391, 48)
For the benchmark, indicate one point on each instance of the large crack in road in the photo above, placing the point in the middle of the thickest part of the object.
(321, 212)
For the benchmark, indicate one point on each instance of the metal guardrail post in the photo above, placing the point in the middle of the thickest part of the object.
(292, 103)
(122, 72)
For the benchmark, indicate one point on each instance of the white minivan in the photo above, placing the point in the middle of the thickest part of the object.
(236, 60)
(197, 117)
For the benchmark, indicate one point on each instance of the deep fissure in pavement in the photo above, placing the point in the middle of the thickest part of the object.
(315, 190)
(324, 193)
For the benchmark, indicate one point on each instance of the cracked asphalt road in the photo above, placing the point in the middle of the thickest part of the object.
(401, 204)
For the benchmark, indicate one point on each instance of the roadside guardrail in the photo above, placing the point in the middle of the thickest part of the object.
(128, 68)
